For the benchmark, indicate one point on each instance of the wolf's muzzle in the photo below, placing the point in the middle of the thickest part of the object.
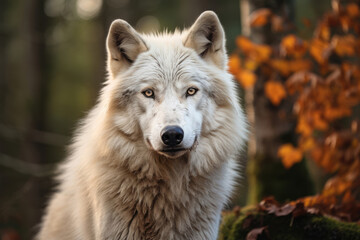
(172, 135)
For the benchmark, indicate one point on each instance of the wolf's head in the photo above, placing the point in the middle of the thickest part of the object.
(172, 90)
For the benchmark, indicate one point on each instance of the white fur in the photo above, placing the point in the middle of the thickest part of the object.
(116, 183)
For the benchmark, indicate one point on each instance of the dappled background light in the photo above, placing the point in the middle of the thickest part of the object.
(87, 9)
(52, 67)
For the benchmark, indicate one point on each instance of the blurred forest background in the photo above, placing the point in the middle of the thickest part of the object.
(52, 66)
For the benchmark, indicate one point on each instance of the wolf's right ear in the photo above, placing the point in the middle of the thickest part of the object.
(123, 45)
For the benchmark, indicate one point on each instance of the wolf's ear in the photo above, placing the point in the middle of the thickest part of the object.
(206, 36)
(123, 45)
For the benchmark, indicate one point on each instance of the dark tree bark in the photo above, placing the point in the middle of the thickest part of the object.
(36, 89)
(272, 125)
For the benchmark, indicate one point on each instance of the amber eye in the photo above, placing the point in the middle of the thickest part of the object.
(148, 93)
(191, 91)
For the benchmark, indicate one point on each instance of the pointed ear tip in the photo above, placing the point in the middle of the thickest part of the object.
(209, 14)
(119, 23)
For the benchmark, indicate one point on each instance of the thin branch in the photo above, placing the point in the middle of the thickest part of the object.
(26, 167)
(34, 135)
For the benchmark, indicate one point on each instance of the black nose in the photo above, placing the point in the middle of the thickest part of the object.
(172, 135)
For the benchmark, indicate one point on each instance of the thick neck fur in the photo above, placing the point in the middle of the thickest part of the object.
(148, 191)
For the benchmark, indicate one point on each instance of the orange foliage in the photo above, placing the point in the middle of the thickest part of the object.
(323, 75)
(256, 52)
(344, 45)
(293, 46)
(353, 10)
(275, 91)
(234, 64)
(289, 155)
(286, 67)
(320, 50)
(246, 78)
(260, 17)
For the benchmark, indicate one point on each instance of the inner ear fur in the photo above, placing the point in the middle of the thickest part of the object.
(124, 44)
(206, 36)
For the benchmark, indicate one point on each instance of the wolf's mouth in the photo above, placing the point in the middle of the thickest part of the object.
(173, 150)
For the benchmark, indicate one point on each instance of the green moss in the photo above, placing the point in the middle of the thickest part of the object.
(309, 227)
(225, 228)
(270, 178)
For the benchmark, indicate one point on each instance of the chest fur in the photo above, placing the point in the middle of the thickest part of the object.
(163, 209)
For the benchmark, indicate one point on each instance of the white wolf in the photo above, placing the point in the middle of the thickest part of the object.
(155, 158)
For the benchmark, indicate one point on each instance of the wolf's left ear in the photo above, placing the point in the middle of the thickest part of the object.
(206, 36)
(123, 45)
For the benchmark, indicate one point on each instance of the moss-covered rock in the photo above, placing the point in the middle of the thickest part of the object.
(269, 178)
(309, 227)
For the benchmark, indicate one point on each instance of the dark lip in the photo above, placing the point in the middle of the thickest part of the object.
(173, 150)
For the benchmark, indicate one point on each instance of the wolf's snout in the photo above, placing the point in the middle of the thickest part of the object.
(172, 135)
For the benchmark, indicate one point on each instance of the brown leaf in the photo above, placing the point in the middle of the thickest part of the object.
(256, 52)
(352, 10)
(286, 67)
(244, 44)
(299, 209)
(293, 46)
(10, 234)
(344, 45)
(260, 17)
(257, 232)
(298, 80)
(277, 23)
(284, 210)
(314, 211)
(320, 50)
(237, 211)
(269, 204)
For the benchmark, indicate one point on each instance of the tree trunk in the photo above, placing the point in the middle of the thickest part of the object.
(36, 85)
(272, 125)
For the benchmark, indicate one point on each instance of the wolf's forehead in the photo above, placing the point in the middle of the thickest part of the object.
(168, 64)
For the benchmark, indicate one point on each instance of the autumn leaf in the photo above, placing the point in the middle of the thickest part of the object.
(320, 50)
(281, 65)
(332, 113)
(318, 120)
(246, 78)
(257, 232)
(307, 143)
(344, 45)
(303, 127)
(277, 23)
(289, 155)
(286, 67)
(300, 65)
(244, 44)
(269, 204)
(324, 72)
(285, 210)
(250, 65)
(323, 32)
(234, 64)
(257, 52)
(352, 10)
(263, 52)
(275, 91)
(294, 46)
(260, 17)
(297, 81)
